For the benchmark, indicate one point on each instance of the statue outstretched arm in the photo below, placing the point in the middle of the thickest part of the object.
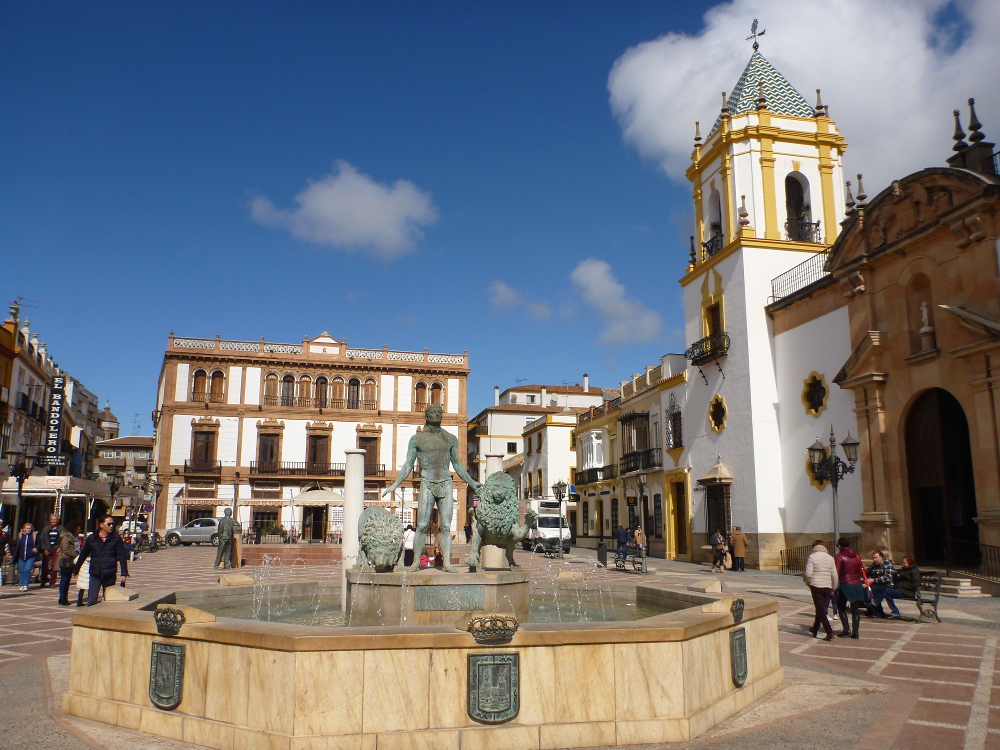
(463, 474)
(407, 467)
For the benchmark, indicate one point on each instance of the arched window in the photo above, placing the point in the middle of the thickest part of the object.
(218, 387)
(353, 393)
(369, 394)
(271, 389)
(288, 391)
(199, 391)
(420, 396)
(322, 392)
(713, 227)
(437, 393)
(305, 391)
(338, 393)
(799, 226)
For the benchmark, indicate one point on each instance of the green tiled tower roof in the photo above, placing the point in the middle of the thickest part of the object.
(782, 98)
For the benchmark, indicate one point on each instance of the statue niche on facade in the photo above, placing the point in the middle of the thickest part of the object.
(496, 520)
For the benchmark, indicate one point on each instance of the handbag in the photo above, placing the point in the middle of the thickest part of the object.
(729, 561)
(65, 564)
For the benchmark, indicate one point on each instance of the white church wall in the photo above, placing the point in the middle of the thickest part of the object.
(252, 394)
(822, 346)
(181, 386)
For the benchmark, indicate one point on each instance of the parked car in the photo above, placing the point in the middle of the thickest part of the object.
(199, 530)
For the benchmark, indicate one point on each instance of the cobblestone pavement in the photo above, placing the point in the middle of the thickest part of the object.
(902, 685)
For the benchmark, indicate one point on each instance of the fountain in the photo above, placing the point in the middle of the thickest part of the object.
(441, 659)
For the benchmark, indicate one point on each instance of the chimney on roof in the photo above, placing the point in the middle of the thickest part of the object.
(544, 394)
(586, 383)
(496, 395)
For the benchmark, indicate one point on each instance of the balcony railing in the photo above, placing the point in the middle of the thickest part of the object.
(599, 474)
(713, 245)
(208, 397)
(419, 405)
(309, 469)
(640, 461)
(709, 348)
(803, 231)
(305, 402)
(805, 273)
(202, 466)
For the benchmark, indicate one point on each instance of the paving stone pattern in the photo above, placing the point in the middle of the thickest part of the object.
(904, 684)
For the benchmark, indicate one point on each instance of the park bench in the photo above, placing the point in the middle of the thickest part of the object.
(927, 595)
(632, 557)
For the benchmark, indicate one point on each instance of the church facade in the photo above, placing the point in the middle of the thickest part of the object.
(812, 313)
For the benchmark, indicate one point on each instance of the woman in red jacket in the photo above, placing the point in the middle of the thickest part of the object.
(851, 573)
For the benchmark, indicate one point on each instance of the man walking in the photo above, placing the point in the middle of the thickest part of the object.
(622, 536)
(48, 545)
(738, 544)
(106, 552)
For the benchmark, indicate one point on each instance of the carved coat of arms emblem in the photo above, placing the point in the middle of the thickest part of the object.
(738, 655)
(494, 687)
(166, 675)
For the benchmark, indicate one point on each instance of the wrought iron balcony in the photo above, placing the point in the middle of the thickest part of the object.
(202, 466)
(708, 349)
(803, 231)
(309, 469)
(713, 245)
(598, 474)
(640, 461)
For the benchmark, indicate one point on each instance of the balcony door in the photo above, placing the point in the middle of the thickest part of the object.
(318, 454)
(267, 452)
(203, 450)
(370, 446)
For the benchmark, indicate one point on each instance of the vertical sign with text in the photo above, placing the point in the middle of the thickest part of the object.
(50, 453)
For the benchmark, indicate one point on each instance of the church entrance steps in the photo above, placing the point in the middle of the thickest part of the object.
(960, 588)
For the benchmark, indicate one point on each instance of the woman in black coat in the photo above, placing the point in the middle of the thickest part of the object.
(908, 578)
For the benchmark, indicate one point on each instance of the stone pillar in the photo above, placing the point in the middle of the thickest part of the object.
(354, 503)
(492, 556)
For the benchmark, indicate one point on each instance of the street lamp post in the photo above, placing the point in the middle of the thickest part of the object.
(21, 467)
(828, 467)
(559, 490)
(117, 480)
(641, 479)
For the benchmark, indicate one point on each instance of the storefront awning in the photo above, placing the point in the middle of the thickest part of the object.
(318, 497)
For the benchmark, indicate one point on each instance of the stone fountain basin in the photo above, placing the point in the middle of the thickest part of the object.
(249, 684)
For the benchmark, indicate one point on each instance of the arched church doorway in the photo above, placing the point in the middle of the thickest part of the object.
(939, 467)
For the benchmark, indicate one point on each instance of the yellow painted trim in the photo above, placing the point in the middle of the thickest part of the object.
(710, 299)
(718, 399)
(726, 174)
(670, 382)
(819, 484)
(721, 144)
(742, 242)
(771, 231)
(675, 454)
(830, 225)
(805, 390)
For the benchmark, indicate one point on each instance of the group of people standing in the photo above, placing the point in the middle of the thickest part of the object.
(844, 582)
(94, 560)
(735, 546)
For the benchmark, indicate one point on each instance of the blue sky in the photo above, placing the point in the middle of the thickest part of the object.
(186, 167)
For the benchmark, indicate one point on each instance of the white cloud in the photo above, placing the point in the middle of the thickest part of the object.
(891, 72)
(626, 320)
(349, 210)
(505, 297)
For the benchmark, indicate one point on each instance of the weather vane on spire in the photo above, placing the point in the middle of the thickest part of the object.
(754, 34)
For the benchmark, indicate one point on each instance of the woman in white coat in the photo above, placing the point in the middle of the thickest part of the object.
(821, 577)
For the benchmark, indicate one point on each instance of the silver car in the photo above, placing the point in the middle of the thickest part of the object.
(199, 530)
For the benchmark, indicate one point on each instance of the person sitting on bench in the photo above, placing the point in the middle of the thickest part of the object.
(880, 578)
(908, 578)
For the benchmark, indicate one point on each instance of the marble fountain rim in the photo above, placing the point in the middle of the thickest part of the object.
(709, 613)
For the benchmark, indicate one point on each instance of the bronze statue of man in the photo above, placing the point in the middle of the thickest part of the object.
(437, 450)
(228, 527)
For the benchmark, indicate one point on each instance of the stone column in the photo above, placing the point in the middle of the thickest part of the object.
(354, 503)
(492, 556)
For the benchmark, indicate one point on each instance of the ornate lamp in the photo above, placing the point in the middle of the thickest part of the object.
(850, 448)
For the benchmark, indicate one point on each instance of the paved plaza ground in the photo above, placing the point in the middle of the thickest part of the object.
(905, 685)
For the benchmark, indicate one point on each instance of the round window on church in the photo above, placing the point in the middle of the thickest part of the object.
(717, 413)
(814, 394)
